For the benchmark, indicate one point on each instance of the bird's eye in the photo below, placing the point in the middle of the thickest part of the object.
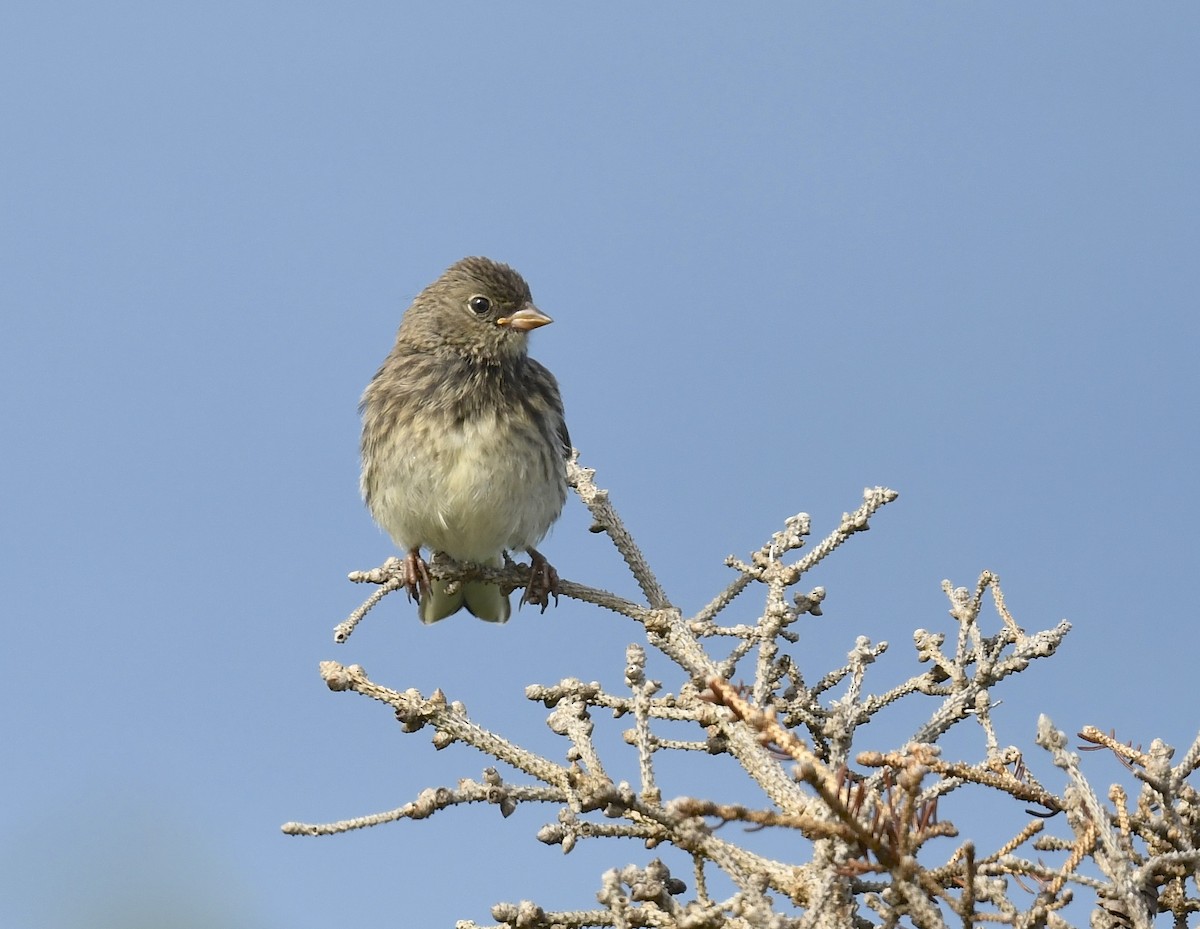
(480, 304)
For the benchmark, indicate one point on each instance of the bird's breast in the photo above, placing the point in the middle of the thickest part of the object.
(468, 486)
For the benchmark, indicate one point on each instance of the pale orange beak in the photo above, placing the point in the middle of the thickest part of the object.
(526, 318)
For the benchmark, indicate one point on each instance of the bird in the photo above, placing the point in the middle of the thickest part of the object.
(464, 441)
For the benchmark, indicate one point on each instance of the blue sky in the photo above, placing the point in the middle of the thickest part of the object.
(791, 251)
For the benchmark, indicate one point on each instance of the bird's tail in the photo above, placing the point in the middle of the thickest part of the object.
(482, 599)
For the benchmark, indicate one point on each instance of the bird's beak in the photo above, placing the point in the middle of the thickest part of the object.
(526, 318)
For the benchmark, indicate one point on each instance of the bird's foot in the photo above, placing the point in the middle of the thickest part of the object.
(416, 575)
(543, 581)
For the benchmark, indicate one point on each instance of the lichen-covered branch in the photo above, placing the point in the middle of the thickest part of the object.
(872, 818)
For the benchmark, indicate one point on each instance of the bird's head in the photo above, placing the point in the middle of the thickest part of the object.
(478, 308)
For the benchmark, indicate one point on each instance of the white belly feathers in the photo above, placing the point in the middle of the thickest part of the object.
(474, 497)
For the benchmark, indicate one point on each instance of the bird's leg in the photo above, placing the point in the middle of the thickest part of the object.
(416, 575)
(543, 581)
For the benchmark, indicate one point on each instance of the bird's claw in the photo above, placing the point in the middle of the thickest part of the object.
(543, 582)
(416, 575)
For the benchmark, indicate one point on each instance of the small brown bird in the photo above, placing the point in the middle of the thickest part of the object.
(464, 444)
